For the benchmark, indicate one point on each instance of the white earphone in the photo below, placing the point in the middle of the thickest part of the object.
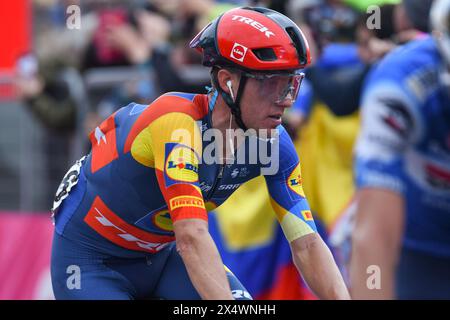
(231, 89)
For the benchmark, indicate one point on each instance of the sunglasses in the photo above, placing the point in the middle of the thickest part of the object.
(278, 86)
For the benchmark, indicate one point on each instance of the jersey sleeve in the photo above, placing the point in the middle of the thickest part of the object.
(286, 192)
(177, 149)
(389, 125)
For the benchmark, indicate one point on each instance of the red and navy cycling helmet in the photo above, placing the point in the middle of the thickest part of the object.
(257, 39)
(252, 39)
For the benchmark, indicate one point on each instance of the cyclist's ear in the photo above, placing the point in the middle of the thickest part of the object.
(227, 80)
(230, 86)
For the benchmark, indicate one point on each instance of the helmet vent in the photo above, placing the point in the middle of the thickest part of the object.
(299, 45)
(265, 54)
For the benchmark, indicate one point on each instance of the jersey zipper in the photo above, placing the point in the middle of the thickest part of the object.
(216, 181)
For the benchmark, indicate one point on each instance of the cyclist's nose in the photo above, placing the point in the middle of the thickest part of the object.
(285, 102)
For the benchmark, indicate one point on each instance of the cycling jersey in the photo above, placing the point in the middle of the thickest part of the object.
(147, 169)
(404, 145)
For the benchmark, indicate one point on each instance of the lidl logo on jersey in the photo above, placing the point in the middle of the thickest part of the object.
(307, 215)
(294, 181)
(181, 164)
(162, 220)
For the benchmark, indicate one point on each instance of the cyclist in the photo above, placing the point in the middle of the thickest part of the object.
(131, 216)
(402, 223)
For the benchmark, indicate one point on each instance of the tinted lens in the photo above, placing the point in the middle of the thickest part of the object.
(278, 87)
(291, 89)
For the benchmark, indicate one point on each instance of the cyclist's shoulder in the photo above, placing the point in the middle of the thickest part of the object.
(288, 155)
(406, 60)
(170, 105)
(409, 73)
(285, 138)
(194, 105)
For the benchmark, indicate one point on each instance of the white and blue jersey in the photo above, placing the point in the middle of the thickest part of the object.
(404, 145)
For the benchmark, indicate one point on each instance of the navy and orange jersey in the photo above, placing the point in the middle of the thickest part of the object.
(148, 168)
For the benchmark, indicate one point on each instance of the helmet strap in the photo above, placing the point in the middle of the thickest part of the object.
(234, 105)
(231, 140)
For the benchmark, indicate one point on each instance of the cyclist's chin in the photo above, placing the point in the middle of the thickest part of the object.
(265, 124)
(271, 122)
(265, 129)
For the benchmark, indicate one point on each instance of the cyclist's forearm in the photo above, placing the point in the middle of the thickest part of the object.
(204, 265)
(376, 242)
(372, 252)
(316, 264)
